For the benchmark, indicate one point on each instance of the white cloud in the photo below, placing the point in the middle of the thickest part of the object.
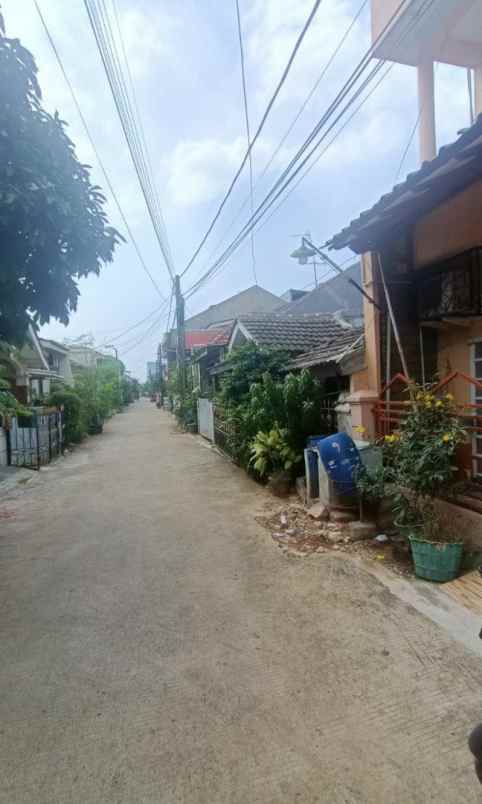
(199, 170)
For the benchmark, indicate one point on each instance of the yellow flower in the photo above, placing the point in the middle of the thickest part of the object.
(449, 397)
(428, 403)
(360, 429)
(446, 438)
(439, 404)
(389, 439)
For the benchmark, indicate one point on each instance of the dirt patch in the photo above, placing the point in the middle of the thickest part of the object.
(297, 533)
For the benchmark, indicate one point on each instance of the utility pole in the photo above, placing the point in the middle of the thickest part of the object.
(181, 343)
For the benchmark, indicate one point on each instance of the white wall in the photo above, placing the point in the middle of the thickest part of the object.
(3, 447)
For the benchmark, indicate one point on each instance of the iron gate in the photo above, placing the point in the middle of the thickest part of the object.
(32, 441)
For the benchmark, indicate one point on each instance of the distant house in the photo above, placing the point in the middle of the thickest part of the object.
(38, 364)
(87, 357)
(57, 356)
(335, 295)
(253, 300)
(293, 333)
(215, 319)
(206, 358)
(195, 340)
(319, 342)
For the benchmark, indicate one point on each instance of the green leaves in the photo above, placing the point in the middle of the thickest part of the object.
(53, 226)
(271, 452)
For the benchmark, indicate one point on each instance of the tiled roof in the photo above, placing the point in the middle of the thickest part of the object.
(295, 333)
(197, 338)
(456, 166)
(331, 352)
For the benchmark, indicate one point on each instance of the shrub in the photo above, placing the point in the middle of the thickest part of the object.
(271, 452)
(72, 408)
(418, 459)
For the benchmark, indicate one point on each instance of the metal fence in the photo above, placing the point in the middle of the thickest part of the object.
(32, 441)
(205, 416)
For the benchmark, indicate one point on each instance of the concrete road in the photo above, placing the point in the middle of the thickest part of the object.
(157, 647)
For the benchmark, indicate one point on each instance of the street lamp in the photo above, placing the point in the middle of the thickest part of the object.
(303, 253)
(308, 249)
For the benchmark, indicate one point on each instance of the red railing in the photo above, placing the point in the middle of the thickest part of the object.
(389, 412)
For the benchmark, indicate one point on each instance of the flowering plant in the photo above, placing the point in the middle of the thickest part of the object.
(420, 456)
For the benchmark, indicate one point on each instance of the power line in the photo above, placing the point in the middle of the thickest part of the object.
(106, 44)
(133, 344)
(94, 148)
(328, 145)
(248, 135)
(141, 126)
(285, 179)
(277, 189)
(316, 85)
(407, 148)
(258, 132)
(137, 324)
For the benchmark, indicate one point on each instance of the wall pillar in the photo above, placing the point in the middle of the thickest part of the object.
(362, 415)
(372, 323)
(478, 90)
(426, 110)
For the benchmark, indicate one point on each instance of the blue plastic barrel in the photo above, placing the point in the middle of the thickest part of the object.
(341, 459)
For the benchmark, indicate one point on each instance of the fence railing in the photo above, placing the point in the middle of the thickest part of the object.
(389, 414)
(32, 441)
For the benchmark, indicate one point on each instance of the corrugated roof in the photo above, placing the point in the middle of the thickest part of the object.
(332, 352)
(295, 333)
(456, 166)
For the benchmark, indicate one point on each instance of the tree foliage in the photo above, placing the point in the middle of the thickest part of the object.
(53, 226)
(247, 365)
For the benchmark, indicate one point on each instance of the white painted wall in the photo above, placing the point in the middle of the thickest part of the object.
(3, 447)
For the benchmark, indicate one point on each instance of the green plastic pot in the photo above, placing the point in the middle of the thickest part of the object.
(436, 561)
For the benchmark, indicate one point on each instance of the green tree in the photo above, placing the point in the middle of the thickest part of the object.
(53, 226)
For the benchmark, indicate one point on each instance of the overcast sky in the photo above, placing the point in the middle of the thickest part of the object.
(184, 58)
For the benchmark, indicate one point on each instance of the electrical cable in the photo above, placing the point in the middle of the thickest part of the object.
(264, 206)
(248, 134)
(105, 40)
(133, 344)
(95, 150)
(294, 121)
(265, 116)
(274, 192)
(134, 326)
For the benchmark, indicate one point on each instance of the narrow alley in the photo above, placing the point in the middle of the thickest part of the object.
(157, 647)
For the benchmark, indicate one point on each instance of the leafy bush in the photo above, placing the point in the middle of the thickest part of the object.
(100, 396)
(72, 407)
(418, 460)
(291, 404)
(245, 366)
(271, 452)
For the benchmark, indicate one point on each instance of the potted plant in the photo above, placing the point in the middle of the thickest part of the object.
(419, 461)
